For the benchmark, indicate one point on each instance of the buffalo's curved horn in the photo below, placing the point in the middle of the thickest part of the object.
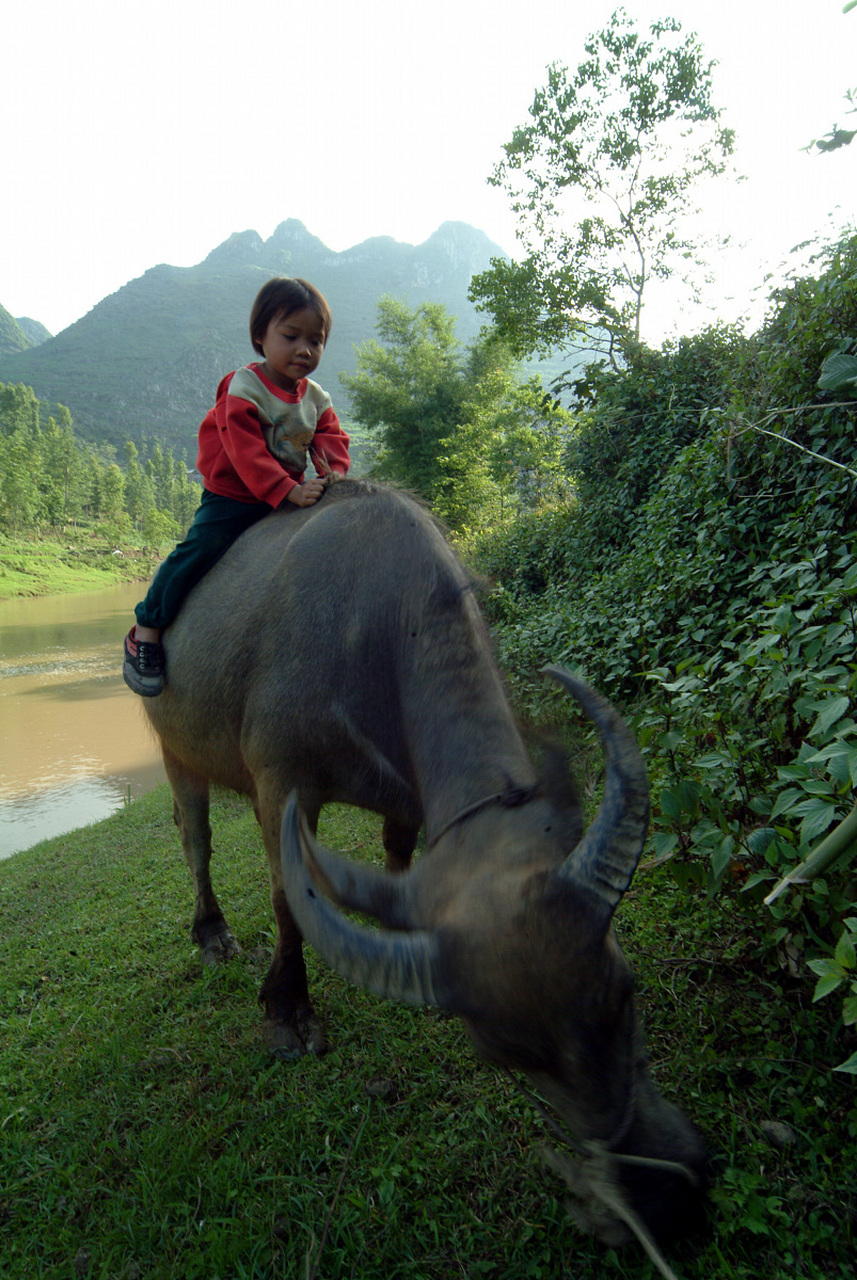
(606, 858)
(398, 966)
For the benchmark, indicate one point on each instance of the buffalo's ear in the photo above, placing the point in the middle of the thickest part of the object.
(557, 785)
(575, 914)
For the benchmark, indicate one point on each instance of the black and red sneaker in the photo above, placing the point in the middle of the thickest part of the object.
(144, 665)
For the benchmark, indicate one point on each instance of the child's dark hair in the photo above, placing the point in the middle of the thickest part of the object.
(282, 296)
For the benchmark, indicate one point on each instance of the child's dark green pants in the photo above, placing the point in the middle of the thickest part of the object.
(216, 525)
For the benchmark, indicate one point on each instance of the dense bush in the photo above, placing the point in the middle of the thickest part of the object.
(636, 421)
(706, 579)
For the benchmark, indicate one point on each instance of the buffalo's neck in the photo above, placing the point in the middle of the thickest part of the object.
(463, 740)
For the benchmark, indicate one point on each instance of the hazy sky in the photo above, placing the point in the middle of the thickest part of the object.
(139, 134)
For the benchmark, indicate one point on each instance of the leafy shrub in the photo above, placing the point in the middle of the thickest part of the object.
(706, 578)
(637, 420)
(833, 971)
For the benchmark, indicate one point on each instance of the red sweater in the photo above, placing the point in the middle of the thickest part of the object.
(237, 436)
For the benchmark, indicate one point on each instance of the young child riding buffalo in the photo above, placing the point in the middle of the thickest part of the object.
(253, 448)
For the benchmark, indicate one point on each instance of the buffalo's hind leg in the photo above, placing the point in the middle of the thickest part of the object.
(400, 840)
(292, 1028)
(190, 811)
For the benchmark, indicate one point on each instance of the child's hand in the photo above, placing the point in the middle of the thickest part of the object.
(308, 493)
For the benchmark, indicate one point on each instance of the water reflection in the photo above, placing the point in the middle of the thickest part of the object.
(74, 741)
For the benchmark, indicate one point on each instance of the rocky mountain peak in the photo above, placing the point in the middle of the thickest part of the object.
(241, 247)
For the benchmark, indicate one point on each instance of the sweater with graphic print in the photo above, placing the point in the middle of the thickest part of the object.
(255, 443)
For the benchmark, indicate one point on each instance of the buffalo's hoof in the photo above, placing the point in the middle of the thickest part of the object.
(216, 944)
(290, 1039)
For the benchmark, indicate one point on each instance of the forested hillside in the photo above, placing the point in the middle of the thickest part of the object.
(19, 335)
(62, 499)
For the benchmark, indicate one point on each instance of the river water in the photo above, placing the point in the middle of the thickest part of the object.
(74, 744)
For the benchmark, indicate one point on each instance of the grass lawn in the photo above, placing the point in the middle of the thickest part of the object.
(146, 1135)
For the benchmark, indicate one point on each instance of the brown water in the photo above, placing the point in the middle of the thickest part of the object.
(74, 744)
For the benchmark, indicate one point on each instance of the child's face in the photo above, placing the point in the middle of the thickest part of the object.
(292, 345)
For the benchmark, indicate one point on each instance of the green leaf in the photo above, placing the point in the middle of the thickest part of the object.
(824, 967)
(714, 760)
(849, 1065)
(670, 806)
(838, 371)
(721, 857)
(664, 844)
(791, 772)
(785, 801)
(833, 710)
(817, 814)
(687, 795)
(782, 620)
(817, 787)
(758, 877)
(758, 1226)
(824, 986)
(845, 952)
(759, 840)
(705, 834)
(849, 1011)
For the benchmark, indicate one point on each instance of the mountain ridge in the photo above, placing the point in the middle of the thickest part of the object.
(19, 333)
(146, 360)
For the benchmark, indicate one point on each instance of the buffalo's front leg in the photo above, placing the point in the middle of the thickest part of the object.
(292, 1028)
(190, 811)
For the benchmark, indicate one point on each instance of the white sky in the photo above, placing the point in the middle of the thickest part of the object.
(139, 134)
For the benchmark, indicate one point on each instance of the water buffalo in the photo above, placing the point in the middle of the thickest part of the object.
(337, 653)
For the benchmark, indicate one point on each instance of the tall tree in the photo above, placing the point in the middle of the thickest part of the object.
(455, 424)
(112, 492)
(19, 408)
(61, 472)
(408, 388)
(20, 499)
(139, 487)
(186, 495)
(534, 445)
(602, 178)
(508, 449)
(159, 468)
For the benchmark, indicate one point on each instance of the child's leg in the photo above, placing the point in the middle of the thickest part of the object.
(216, 525)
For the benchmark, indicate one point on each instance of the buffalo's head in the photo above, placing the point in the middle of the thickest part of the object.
(501, 925)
